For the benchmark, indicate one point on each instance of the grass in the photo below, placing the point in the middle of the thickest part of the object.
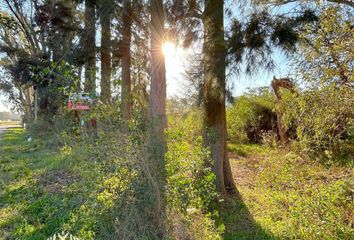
(281, 196)
(44, 191)
(287, 197)
(8, 123)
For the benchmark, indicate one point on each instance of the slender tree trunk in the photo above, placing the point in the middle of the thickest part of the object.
(276, 85)
(157, 111)
(214, 94)
(158, 73)
(105, 14)
(126, 78)
(28, 96)
(228, 178)
(282, 132)
(79, 75)
(25, 103)
(90, 47)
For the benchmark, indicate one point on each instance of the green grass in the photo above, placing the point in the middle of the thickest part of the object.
(281, 196)
(44, 191)
(286, 197)
(7, 123)
(244, 150)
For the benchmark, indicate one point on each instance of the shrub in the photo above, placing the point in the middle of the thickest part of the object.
(305, 200)
(125, 184)
(190, 188)
(324, 121)
(251, 114)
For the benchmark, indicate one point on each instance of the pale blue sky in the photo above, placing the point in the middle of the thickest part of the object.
(3, 105)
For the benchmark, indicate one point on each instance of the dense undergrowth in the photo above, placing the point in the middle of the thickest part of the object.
(103, 187)
(293, 198)
(94, 194)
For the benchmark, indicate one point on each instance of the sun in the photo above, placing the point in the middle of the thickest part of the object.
(169, 49)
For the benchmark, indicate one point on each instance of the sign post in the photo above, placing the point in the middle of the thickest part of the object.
(81, 102)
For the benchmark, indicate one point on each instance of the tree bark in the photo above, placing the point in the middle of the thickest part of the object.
(228, 178)
(158, 73)
(157, 113)
(90, 47)
(105, 15)
(126, 78)
(282, 132)
(276, 85)
(214, 94)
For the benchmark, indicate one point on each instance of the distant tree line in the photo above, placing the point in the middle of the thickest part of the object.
(8, 116)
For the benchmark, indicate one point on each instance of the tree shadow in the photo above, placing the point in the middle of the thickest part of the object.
(238, 221)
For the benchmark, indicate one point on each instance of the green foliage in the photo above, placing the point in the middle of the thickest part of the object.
(307, 200)
(322, 112)
(250, 116)
(104, 184)
(190, 178)
(55, 82)
(326, 51)
(57, 130)
(289, 197)
(190, 187)
(185, 116)
(252, 39)
(324, 121)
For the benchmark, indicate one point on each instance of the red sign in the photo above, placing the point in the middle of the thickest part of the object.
(77, 106)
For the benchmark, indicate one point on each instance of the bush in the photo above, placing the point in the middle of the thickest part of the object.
(184, 116)
(305, 200)
(190, 188)
(324, 121)
(124, 184)
(57, 130)
(252, 114)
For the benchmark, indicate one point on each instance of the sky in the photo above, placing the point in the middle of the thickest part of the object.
(239, 83)
(3, 105)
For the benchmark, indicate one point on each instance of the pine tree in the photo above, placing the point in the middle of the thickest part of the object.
(126, 60)
(105, 11)
(90, 46)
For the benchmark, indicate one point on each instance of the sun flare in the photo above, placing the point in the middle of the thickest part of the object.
(169, 49)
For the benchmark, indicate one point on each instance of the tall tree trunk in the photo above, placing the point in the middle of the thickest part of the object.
(214, 94)
(157, 111)
(126, 79)
(158, 72)
(228, 178)
(90, 47)
(105, 15)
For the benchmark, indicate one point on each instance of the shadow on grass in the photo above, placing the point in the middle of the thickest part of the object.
(238, 221)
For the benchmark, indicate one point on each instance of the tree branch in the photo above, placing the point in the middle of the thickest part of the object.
(349, 3)
(23, 25)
